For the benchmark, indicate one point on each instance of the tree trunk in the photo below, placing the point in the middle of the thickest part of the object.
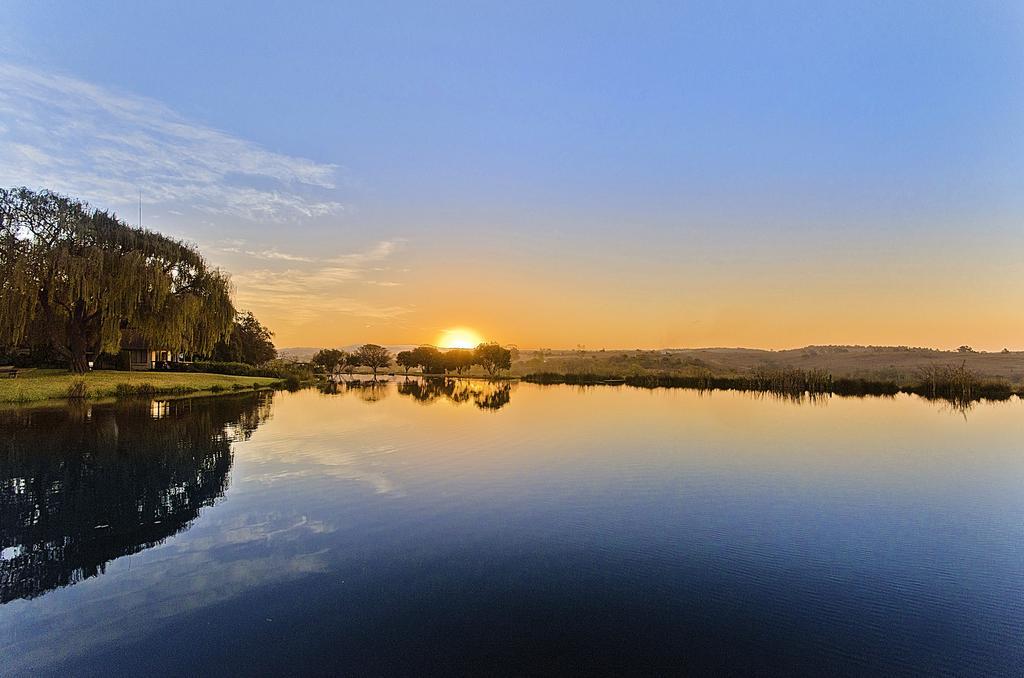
(78, 362)
(80, 339)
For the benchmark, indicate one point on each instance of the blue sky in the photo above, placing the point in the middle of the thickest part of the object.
(637, 138)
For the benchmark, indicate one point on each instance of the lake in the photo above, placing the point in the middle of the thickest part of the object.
(412, 528)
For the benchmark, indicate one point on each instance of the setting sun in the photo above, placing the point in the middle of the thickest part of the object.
(459, 337)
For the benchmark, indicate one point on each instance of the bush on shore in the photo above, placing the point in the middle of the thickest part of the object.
(955, 383)
(275, 369)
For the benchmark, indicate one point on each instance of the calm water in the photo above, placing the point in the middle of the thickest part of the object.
(417, 528)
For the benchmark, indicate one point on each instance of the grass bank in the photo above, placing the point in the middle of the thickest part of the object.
(40, 385)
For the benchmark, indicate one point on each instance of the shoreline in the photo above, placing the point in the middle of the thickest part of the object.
(59, 386)
(956, 388)
(797, 383)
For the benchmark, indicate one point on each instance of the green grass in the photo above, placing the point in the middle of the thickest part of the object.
(40, 385)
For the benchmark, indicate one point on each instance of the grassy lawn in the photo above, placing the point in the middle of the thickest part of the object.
(54, 384)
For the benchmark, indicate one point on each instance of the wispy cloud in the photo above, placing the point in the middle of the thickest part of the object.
(265, 254)
(382, 250)
(76, 137)
(320, 288)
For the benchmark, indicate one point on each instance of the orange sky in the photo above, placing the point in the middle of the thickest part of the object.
(692, 174)
(619, 294)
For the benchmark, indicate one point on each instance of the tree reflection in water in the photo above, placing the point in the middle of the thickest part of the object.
(487, 395)
(82, 486)
(369, 391)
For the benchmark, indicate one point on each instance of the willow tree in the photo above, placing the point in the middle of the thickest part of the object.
(77, 279)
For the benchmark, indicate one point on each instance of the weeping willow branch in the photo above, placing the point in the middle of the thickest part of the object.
(76, 279)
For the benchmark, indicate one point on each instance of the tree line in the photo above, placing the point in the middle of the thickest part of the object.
(248, 342)
(492, 357)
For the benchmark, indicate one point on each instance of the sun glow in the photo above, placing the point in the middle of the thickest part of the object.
(459, 337)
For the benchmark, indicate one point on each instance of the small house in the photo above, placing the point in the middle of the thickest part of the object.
(138, 354)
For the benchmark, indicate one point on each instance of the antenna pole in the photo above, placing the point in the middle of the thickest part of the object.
(140, 208)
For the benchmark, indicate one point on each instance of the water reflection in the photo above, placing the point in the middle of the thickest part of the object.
(84, 485)
(487, 395)
(678, 533)
(367, 390)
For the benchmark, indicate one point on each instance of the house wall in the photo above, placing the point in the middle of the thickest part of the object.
(145, 359)
(139, 359)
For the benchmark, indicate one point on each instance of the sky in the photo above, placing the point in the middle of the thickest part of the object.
(612, 175)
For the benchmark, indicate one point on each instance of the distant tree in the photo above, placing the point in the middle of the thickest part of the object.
(351, 363)
(330, 360)
(74, 279)
(373, 356)
(458, 360)
(429, 359)
(1005, 350)
(406, 360)
(494, 358)
(249, 342)
(966, 349)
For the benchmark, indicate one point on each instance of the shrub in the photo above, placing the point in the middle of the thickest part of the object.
(231, 369)
(131, 390)
(77, 390)
(275, 369)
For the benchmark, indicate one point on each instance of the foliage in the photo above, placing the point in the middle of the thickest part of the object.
(955, 383)
(429, 359)
(77, 390)
(329, 360)
(77, 279)
(275, 369)
(145, 389)
(493, 358)
(405, 360)
(458, 360)
(958, 383)
(249, 342)
(373, 356)
(210, 367)
(351, 362)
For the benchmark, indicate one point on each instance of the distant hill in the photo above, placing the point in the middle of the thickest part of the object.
(300, 354)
